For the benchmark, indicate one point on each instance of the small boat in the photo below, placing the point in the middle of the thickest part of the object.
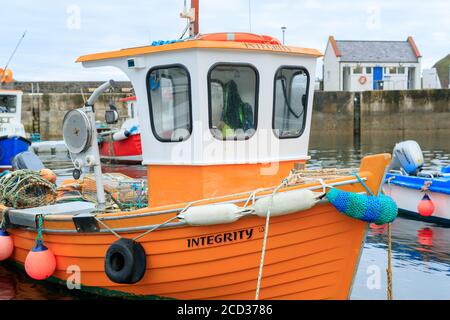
(231, 212)
(12, 133)
(419, 193)
(124, 145)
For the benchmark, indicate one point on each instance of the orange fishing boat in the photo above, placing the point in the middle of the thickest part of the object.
(231, 214)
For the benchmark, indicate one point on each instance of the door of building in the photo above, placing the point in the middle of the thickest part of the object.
(378, 78)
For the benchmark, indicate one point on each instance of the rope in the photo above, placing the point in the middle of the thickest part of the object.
(266, 234)
(363, 184)
(107, 227)
(389, 268)
(39, 236)
(154, 228)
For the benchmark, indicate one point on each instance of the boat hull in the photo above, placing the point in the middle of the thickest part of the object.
(310, 255)
(125, 151)
(408, 199)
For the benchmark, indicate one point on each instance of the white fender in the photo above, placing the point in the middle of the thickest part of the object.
(211, 214)
(286, 203)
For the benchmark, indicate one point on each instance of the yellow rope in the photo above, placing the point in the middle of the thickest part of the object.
(389, 268)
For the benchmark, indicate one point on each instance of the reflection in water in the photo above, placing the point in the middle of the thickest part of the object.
(421, 259)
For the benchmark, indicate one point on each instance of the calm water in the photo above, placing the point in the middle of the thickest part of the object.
(421, 255)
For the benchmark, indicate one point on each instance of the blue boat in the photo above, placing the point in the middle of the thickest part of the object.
(419, 193)
(12, 133)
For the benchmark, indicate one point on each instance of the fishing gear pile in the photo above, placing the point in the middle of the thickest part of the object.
(26, 189)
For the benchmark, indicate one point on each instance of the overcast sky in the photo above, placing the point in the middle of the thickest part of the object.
(59, 31)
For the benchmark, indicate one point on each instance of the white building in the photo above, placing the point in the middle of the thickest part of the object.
(430, 79)
(371, 65)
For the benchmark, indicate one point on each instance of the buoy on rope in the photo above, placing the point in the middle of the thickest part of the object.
(40, 263)
(426, 206)
(6, 245)
(48, 175)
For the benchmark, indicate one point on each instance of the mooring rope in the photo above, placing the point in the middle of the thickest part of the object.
(389, 268)
(266, 234)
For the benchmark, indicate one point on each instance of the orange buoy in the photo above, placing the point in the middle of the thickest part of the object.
(6, 76)
(40, 263)
(48, 175)
(426, 206)
(6, 245)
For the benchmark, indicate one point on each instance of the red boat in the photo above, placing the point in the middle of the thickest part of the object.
(124, 146)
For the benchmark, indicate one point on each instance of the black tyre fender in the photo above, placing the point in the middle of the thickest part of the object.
(125, 261)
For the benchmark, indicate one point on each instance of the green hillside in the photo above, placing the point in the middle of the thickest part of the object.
(442, 67)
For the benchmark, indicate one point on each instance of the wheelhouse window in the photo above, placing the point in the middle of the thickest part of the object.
(170, 103)
(233, 101)
(8, 103)
(290, 102)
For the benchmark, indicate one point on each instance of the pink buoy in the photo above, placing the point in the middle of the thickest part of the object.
(40, 263)
(6, 245)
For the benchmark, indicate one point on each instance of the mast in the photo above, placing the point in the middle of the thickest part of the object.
(193, 18)
(195, 6)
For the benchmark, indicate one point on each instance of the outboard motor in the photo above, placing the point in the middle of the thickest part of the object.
(27, 160)
(407, 157)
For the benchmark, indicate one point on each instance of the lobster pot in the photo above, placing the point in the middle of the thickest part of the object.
(129, 193)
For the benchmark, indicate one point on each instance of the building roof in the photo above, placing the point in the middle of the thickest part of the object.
(375, 51)
(201, 44)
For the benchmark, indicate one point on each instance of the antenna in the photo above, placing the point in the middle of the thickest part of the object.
(283, 29)
(15, 50)
(250, 14)
(5, 74)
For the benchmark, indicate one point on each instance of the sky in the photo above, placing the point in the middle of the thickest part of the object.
(58, 31)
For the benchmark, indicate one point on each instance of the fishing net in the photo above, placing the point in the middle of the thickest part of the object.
(26, 189)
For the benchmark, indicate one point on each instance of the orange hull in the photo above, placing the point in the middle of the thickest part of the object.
(310, 255)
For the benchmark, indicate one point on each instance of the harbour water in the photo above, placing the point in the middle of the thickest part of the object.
(421, 256)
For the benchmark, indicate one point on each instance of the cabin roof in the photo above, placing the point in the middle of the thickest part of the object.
(200, 44)
(10, 91)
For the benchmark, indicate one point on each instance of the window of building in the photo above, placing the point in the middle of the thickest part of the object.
(392, 70)
(8, 103)
(290, 102)
(233, 101)
(401, 70)
(357, 70)
(368, 70)
(169, 95)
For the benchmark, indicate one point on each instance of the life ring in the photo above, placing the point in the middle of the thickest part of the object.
(125, 261)
(362, 80)
(6, 76)
(239, 37)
